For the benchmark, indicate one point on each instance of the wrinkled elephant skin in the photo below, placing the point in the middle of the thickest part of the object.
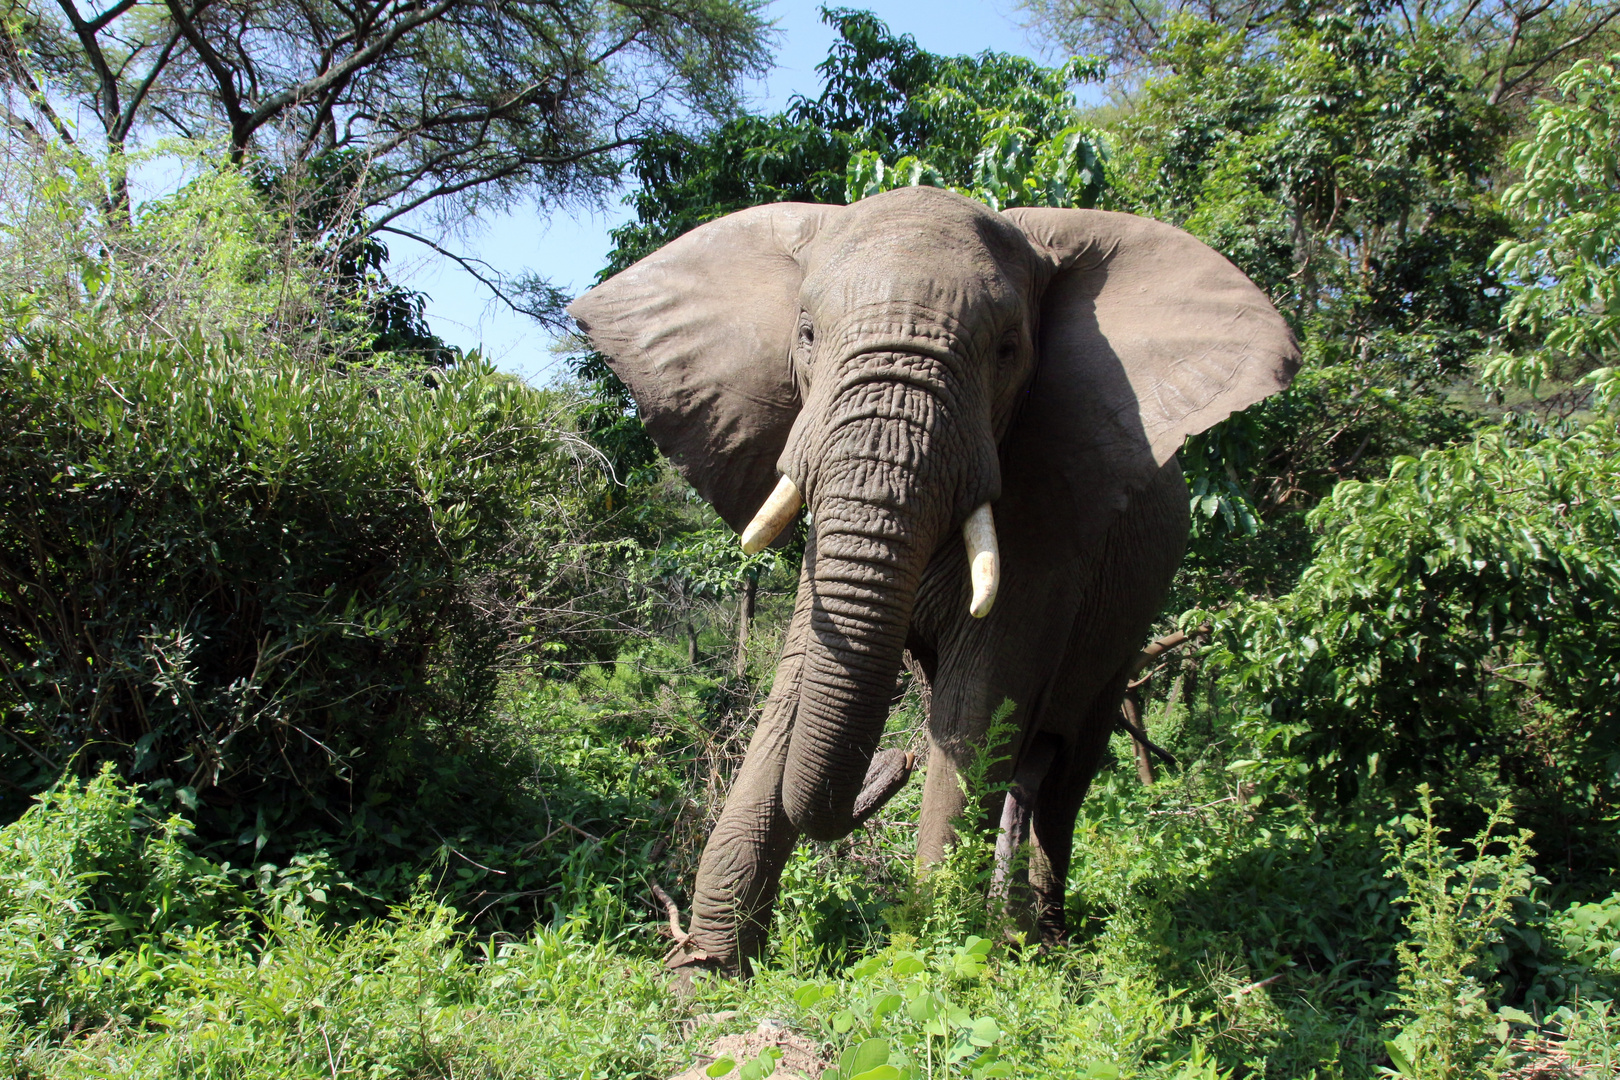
(913, 364)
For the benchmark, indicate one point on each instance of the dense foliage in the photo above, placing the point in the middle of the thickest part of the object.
(1454, 624)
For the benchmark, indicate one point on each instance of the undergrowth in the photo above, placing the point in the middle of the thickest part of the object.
(1215, 937)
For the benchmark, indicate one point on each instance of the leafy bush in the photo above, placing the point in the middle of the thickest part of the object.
(1561, 267)
(212, 257)
(258, 582)
(86, 872)
(1456, 911)
(1455, 624)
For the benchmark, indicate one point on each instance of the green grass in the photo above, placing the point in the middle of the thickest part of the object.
(1214, 938)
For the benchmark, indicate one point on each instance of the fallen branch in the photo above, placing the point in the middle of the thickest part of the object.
(673, 911)
(1148, 744)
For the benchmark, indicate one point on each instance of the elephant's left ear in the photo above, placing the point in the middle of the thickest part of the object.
(1192, 337)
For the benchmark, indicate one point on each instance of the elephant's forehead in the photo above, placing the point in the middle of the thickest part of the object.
(946, 254)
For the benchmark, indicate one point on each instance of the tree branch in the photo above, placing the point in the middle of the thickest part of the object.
(98, 61)
(1148, 744)
(467, 264)
(1504, 85)
(360, 58)
(126, 121)
(99, 23)
(224, 77)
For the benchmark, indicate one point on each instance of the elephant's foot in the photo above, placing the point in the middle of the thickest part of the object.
(684, 961)
(888, 773)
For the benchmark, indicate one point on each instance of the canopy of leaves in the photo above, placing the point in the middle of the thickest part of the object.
(377, 109)
(880, 93)
(1504, 48)
(1345, 167)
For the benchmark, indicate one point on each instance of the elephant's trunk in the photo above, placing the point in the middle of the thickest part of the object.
(885, 491)
(860, 611)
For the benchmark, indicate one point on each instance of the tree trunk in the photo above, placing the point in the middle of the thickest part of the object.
(1144, 761)
(745, 616)
(691, 644)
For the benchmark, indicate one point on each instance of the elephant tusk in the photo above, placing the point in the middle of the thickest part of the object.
(984, 562)
(773, 517)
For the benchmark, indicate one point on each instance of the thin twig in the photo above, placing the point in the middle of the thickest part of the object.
(1191, 809)
(464, 858)
(1252, 987)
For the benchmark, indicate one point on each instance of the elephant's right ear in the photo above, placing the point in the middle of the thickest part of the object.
(701, 331)
(1172, 335)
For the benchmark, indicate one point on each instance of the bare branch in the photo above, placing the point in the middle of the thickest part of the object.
(495, 286)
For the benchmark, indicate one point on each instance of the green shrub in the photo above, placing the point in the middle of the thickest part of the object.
(1456, 911)
(1456, 625)
(268, 586)
(952, 901)
(86, 872)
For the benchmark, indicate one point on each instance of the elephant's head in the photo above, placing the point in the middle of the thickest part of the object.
(869, 359)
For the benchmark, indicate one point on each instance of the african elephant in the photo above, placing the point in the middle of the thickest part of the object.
(975, 407)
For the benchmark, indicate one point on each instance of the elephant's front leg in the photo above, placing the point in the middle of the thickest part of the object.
(742, 862)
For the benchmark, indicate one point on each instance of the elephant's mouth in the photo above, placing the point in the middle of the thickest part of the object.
(978, 536)
(883, 498)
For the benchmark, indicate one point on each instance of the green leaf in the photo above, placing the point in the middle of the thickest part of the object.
(720, 1066)
(1397, 1057)
(922, 1008)
(882, 1072)
(908, 964)
(810, 994)
(885, 1005)
(868, 1055)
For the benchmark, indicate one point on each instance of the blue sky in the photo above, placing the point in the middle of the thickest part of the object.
(570, 249)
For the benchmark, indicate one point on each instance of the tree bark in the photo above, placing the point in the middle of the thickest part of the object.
(1144, 761)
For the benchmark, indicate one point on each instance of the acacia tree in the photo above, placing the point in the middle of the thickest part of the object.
(387, 105)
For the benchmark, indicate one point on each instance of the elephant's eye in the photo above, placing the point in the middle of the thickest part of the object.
(1007, 348)
(807, 337)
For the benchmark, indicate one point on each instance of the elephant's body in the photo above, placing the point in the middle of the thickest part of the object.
(1057, 644)
(915, 365)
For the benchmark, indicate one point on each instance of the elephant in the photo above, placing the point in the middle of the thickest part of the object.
(980, 411)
